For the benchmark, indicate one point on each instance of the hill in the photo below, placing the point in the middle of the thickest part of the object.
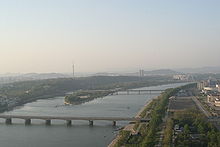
(161, 72)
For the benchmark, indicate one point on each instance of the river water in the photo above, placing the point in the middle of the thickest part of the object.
(80, 134)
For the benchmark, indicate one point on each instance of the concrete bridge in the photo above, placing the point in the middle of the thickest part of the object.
(27, 119)
(130, 91)
(137, 92)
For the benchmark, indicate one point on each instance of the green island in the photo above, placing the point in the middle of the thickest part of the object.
(79, 97)
(188, 127)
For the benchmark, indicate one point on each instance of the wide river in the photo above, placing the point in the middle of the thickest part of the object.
(80, 134)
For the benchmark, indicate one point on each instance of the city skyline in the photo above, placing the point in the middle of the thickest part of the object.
(103, 36)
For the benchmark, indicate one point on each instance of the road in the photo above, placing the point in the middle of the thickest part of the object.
(214, 121)
(200, 106)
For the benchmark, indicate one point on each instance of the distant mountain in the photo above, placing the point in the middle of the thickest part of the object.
(105, 74)
(10, 78)
(201, 70)
(162, 72)
(44, 75)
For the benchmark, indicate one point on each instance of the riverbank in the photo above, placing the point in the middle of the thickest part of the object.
(111, 106)
(144, 107)
(131, 127)
(146, 133)
(23, 102)
(19, 94)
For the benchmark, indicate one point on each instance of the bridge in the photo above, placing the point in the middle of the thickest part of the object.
(27, 119)
(137, 92)
(131, 91)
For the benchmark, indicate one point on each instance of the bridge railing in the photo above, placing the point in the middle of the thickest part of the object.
(8, 119)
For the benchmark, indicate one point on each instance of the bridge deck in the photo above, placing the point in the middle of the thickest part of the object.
(145, 90)
(72, 118)
(131, 90)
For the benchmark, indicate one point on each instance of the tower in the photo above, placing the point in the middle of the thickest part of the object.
(73, 71)
(141, 72)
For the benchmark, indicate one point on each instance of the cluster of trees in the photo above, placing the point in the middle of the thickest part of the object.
(194, 122)
(123, 135)
(156, 117)
(75, 98)
(168, 133)
(148, 131)
(149, 107)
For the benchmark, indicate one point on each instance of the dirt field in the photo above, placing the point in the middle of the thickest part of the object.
(181, 103)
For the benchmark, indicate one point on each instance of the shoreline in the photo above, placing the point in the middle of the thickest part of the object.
(145, 105)
(22, 103)
(131, 126)
(63, 93)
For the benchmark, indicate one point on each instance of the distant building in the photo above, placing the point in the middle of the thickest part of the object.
(217, 102)
(181, 77)
(212, 82)
(218, 87)
(210, 99)
(214, 89)
(201, 85)
(209, 85)
(214, 98)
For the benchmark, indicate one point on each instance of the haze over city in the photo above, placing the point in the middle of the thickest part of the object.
(109, 73)
(98, 36)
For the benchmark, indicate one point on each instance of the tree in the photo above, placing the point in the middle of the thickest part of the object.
(186, 129)
(201, 128)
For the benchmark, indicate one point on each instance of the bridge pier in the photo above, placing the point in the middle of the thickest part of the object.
(114, 123)
(127, 92)
(48, 122)
(68, 122)
(8, 121)
(139, 92)
(27, 121)
(91, 122)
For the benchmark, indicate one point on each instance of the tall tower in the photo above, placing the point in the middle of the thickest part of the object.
(141, 72)
(73, 71)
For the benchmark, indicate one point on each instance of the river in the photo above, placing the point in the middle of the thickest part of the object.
(80, 134)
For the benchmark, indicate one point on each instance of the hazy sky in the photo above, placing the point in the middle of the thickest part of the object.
(108, 35)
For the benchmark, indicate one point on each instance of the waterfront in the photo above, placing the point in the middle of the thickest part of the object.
(80, 134)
